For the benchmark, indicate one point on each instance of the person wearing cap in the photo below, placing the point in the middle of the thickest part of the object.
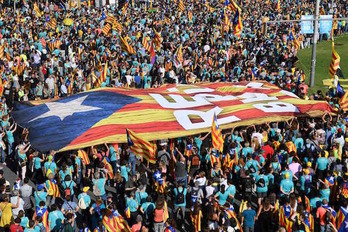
(305, 182)
(51, 187)
(85, 197)
(40, 194)
(286, 186)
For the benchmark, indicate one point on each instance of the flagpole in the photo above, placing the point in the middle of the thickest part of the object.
(315, 39)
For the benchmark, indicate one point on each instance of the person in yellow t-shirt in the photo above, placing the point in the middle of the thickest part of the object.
(6, 212)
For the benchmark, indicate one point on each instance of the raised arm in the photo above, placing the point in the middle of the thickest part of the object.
(205, 136)
(107, 148)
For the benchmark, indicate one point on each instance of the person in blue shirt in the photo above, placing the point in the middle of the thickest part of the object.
(55, 219)
(231, 189)
(248, 218)
(286, 185)
(252, 165)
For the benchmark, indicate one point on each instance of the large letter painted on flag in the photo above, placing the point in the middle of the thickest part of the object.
(170, 111)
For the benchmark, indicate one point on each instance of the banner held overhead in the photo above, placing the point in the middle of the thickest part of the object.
(170, 111)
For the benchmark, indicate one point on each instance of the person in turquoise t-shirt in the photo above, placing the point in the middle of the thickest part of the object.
(113, 158)
(50, 165)
(147, 207)
(246, 149)
(37, 174)
(286, 185)
(68, 183)
(231, 189)
(261, 186)
(96, 211)
(287, 171)
(180, 193)
(100, 184)
(40, 195)
(132, 205)
(321, 166)
(305, 182)
(125, 170)
(222, 195)
(55, 219)
(299, 143)
(10, 139)
(324, 192)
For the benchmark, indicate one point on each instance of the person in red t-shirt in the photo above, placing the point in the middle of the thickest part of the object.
(138, 226)
(16, 227)
(269, 151)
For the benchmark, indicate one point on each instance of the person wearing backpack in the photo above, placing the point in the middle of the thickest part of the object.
(194, 163)
(252, 165)
(55, 219)
(68, 186)
(180, 199)
(247, 184)
(261, 181)
(305, 181)
(39, 226)
(146, 209)
(325, 214)
(196, 194)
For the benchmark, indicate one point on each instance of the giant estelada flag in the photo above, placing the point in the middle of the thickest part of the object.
(171, 111)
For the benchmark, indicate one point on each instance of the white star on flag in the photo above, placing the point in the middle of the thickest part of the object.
(63, 110)
(158, 175)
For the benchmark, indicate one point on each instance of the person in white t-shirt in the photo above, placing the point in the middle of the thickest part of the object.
(14, 200)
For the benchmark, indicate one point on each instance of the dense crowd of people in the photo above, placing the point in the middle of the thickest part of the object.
(273, 177)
